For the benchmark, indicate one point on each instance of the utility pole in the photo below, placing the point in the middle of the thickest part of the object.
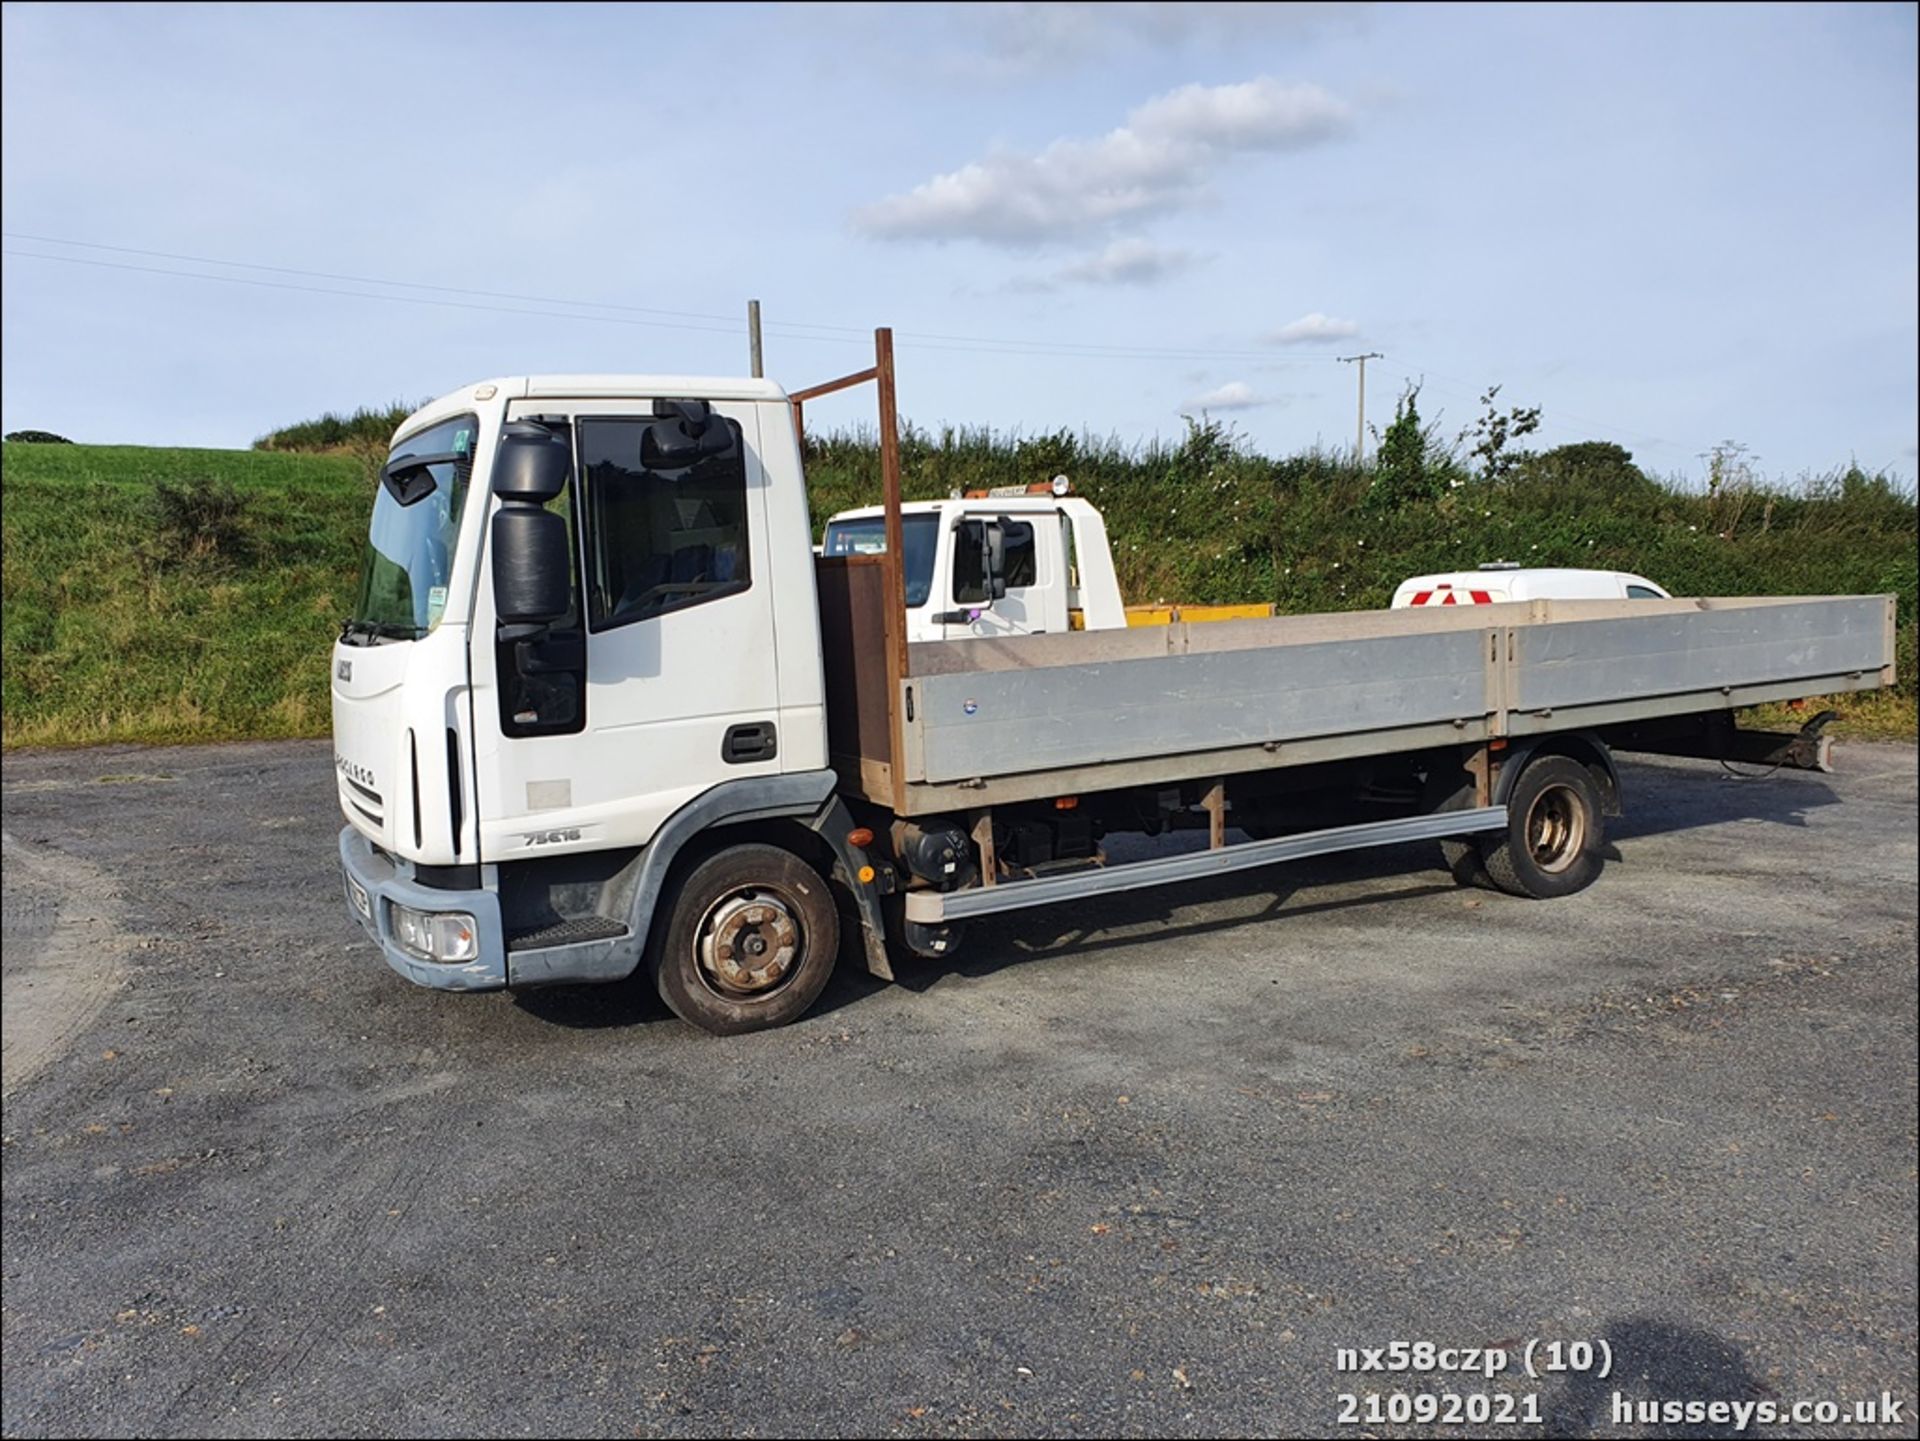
(753, 339)
(1360, 429)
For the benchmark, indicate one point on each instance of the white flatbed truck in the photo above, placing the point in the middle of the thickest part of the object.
(600, 707)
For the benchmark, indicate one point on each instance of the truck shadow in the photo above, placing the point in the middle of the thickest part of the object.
(613, 1006)
(1669, 800)
(1671, 1369)
(1664, 799)
(1660, 799)
(1134, 918)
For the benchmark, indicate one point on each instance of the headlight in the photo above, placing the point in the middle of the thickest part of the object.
(446, 936)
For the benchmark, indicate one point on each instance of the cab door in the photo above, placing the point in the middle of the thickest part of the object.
(1035, 602)
(682, 687)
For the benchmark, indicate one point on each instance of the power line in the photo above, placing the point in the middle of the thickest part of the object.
(958, 344)
(362, 294)
(715, 324)
(358, 279)
(788, 329)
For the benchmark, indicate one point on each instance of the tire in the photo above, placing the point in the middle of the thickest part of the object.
(1461, 856)
(750, 942)
(1453, 790)
(1551, 846)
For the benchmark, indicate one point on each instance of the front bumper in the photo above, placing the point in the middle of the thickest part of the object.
(382, 879)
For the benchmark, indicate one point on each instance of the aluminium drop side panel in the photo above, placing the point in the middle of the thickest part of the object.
(1568, 664)
(980, 724)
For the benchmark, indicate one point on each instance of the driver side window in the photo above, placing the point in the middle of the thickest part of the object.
(659, 540)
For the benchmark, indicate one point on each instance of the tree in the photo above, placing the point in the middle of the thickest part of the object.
(1495, 431)
(1402, 468)
(35, 437)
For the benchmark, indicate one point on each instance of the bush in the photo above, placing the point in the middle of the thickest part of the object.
(365, 427)
(200, 519)
(35, 437)
(1412, 464)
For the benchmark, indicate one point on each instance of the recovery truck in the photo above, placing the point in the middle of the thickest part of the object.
(601, 707)
(1053, 556)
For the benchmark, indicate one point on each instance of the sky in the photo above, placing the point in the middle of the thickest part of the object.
(1668, 227)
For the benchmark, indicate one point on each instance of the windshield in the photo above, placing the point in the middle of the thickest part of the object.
(919, 534)
(403, 584)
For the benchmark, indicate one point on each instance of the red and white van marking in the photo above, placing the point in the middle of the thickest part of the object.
(1447, 595)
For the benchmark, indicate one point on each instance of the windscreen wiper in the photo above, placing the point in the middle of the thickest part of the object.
(391, 630)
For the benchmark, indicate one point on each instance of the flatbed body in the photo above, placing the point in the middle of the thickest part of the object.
(965, 724)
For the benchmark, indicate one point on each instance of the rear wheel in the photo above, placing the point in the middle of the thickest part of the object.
(1551, 846)
(750, 942)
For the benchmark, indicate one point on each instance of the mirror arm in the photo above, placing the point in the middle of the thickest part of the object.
(551, 654)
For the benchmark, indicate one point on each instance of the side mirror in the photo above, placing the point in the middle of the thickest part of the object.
(410, 477)
(532, 463)
(997, 559)
(971, 583)
(686, 433)
(531, 581)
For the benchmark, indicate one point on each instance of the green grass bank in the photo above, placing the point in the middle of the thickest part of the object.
(127, 618)
(179, 595)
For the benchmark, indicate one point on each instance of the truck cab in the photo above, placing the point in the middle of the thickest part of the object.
(1023, 560)
(586, 603)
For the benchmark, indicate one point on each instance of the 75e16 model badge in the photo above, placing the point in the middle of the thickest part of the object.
(359, 774)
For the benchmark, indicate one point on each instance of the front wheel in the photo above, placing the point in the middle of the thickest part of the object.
(1552, 842)
(750, 943)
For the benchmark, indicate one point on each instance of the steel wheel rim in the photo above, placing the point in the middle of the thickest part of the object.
(749, 944)
(1556, 829)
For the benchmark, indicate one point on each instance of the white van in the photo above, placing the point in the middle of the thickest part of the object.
(1506, 580)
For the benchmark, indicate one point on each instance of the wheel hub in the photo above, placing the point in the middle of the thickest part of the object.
(1556, 829)
(749, 943)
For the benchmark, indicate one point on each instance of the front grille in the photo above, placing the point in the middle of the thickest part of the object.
(365, 800)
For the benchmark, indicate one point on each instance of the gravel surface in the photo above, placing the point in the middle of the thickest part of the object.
(1138, 1166)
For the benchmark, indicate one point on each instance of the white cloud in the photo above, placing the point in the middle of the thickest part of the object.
(1158, 161)
(1314, 329)
(1259, 114)
(1234, 395)
(1125, 262)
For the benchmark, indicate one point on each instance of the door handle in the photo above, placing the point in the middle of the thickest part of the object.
(754, 741)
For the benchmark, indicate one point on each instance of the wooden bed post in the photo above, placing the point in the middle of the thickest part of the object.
(1214, 803)
(892, 566)
(896, 562)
